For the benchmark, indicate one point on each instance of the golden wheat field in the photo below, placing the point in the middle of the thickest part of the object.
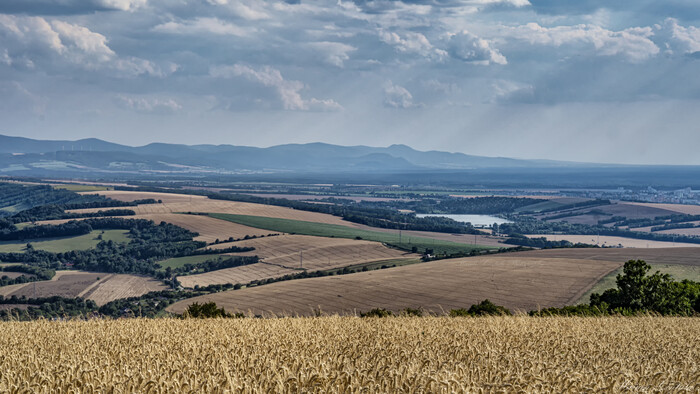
(351, 354)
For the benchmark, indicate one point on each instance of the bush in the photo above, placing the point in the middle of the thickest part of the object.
(411, 312)
(484, 308)
(207, 311)
(377, 312)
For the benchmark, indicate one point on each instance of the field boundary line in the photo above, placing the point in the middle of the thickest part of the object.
(92, 286)
(577, 297)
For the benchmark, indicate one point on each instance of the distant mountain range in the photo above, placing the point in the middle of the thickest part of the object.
(19, 156)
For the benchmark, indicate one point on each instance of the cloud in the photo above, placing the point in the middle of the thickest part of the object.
(411, 42)
(514, 3)
(396, 96)
(18, 98)
(68, 7)
(202, 25)
(472, 49)
(334, 53)
(634, 44)
(677, 38)
(249, 10)
(440, 87)
(148, 105)
(81, 45)
(122, 5)
(505, 90)
(287, 91)
(37, 39)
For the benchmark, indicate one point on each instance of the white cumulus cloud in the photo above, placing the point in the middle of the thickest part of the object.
(411, 42)
(289, 92)
(634, 43)
(467, 47)
(37, 39)
(334, 53)
(679, 38)
(397, 96)
(203, 25)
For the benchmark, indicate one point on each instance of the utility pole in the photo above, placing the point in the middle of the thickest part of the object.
(301, 259)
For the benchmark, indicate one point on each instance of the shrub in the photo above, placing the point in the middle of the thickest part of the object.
(377, 312)
(207, 310)
(484, 308)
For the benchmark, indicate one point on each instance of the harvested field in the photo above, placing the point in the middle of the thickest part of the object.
(682, 256)
(128, 196)
(5, 291)
(683, 231)
(647, 229)
(614, 241)
(99, 287)
(481, 240)
(353, 355)
(7, 307)
(209, 228)
(284, 254)
(318, 252)
(65, 284)
(243, 274)
(13, 275)
(533, 197)
(304, 197)
(551, 203)
(173, 203)
(675, 208)
(116, 286)
(516, 282)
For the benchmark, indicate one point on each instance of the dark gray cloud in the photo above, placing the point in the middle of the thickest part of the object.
(66, 7)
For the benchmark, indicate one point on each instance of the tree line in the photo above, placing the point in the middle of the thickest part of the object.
(55, 212)
(528, 225)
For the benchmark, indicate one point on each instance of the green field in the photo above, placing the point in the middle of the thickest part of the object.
(334, 230)
(13, 209)
(66, 244)
(677, 272)
(178, 262)
(81, 188)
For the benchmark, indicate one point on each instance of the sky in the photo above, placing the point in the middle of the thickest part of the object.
(581, 80)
